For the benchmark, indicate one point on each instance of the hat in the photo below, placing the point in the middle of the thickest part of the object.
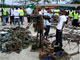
(63, 11)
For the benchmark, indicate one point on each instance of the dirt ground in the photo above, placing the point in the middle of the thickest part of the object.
(26, 54)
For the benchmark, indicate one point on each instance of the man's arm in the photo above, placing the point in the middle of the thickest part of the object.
(53, 21)
(62, 26)
(2, 11)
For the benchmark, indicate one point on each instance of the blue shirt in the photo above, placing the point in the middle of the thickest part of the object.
(45, 22)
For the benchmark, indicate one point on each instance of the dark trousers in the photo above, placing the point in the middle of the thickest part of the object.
(11, 19)
(21, 19)
(1, 18)
(75, 22)
(28, 17)
(18, 20)
(7, 19)
(47, 30)
(59, 38)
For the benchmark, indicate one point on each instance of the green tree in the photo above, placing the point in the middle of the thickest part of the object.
(3, 1)
(58, 1)
(75, 2)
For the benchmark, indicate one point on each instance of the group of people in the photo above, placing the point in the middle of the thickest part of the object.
(74, 16)
(49, 17)
(16, 15)
(62, 17)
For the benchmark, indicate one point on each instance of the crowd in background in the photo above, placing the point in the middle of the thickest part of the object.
(17, 14)
(14, 14)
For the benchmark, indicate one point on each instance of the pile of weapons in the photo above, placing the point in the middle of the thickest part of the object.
(73, 36)
(14, 39)
(49, 54)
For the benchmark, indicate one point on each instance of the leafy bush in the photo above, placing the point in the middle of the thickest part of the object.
(8, 6)
(75, 2)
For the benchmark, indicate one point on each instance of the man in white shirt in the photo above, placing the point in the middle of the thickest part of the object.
(29, 12)
(61, 22)
(44, 11)
(47, 25)
(50, 14)
(12, 16)
(16, 16)
(40, 12)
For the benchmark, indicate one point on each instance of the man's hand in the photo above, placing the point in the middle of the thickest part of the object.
(44, 27)
(61, 30)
